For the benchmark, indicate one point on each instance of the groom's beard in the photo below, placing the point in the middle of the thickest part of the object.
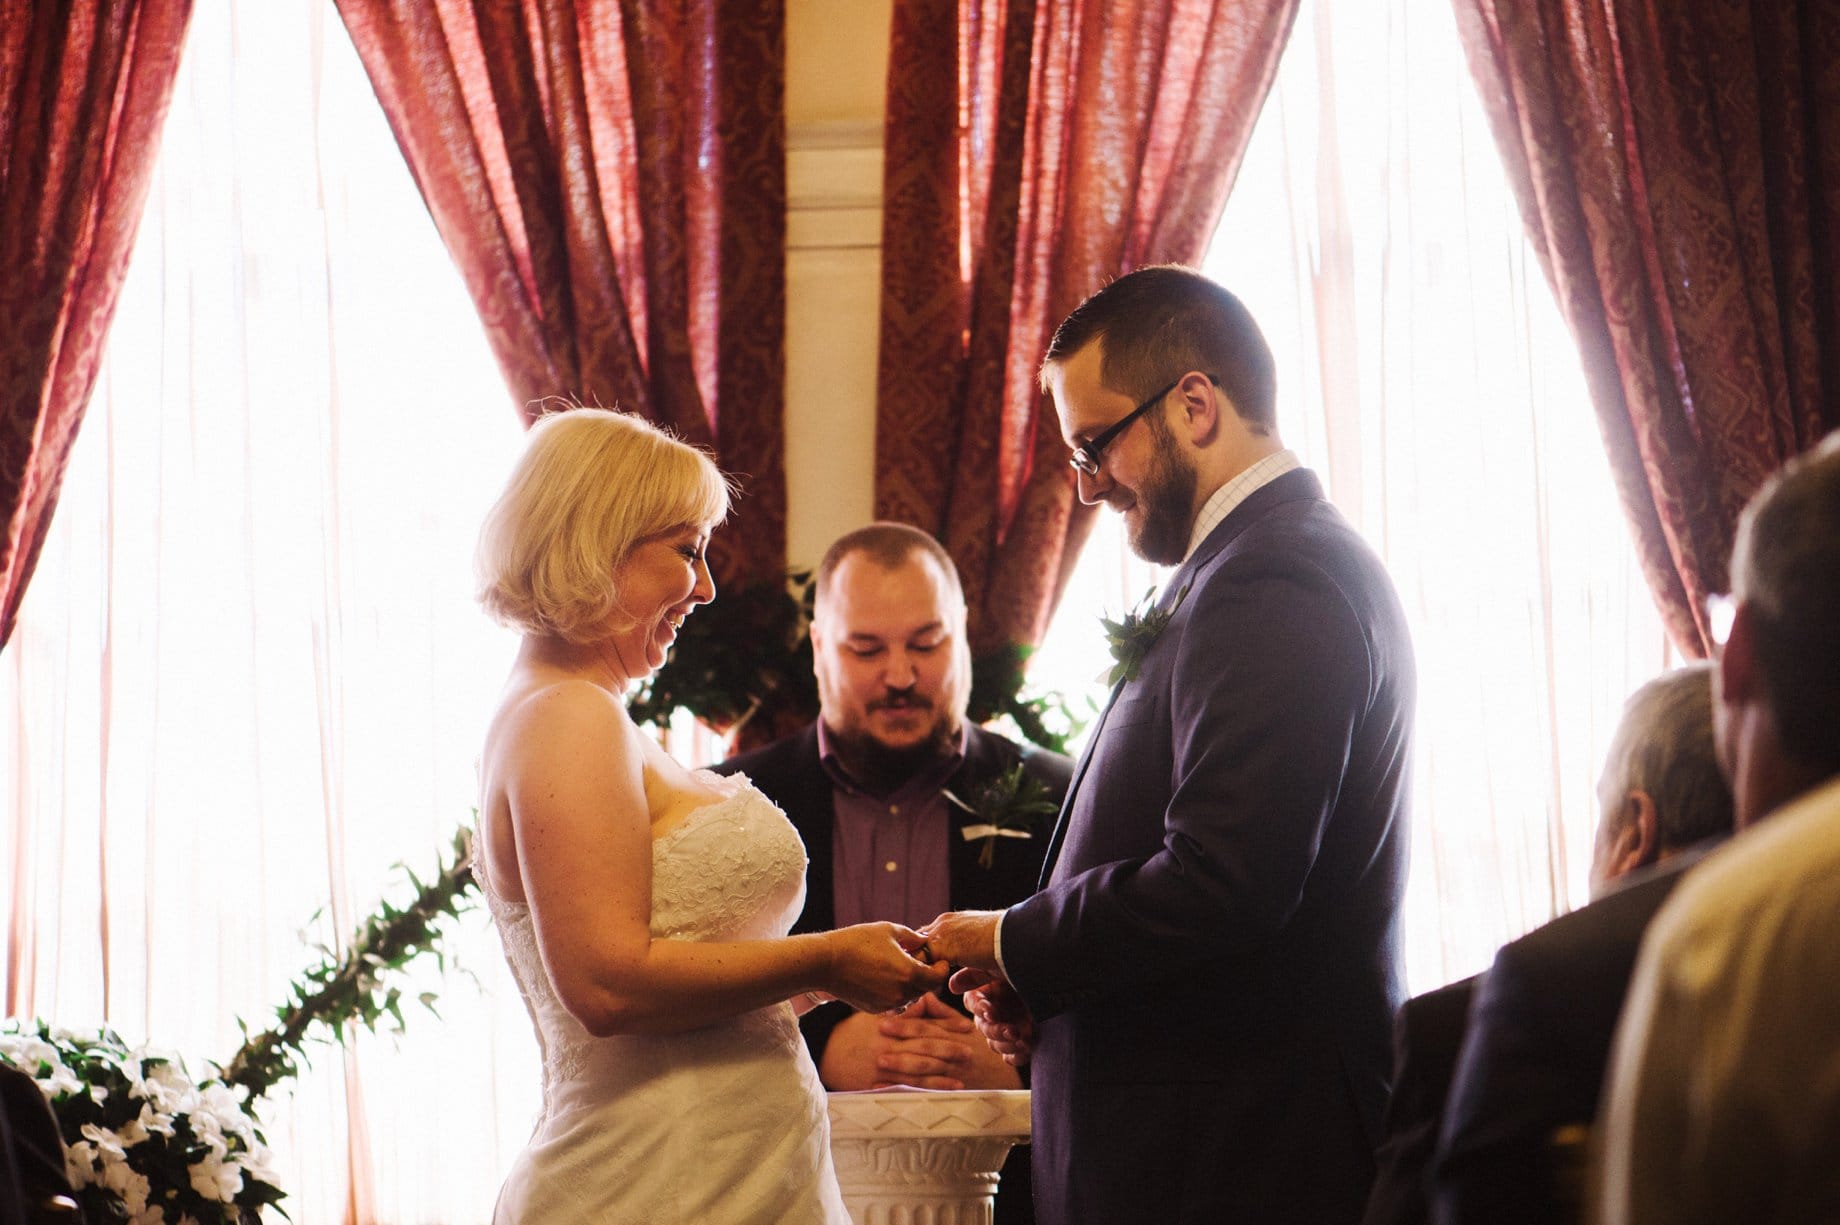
(882, 769)
(1166, 499)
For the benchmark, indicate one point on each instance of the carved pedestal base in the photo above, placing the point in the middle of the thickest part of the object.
(922, 1157)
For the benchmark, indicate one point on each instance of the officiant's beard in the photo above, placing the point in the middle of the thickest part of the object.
(881, 769)
(1166, 500)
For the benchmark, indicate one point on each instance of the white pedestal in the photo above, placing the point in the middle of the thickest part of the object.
(924, 1157)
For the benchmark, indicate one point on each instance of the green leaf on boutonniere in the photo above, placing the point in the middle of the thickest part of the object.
(1131, 638)
(1006, 807)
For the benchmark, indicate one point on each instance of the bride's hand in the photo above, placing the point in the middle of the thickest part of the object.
(872, 971)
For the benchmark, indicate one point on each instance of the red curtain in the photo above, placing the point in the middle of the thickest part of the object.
(84, 87)
(1678, 168)
(610, 179)
(1035, 150)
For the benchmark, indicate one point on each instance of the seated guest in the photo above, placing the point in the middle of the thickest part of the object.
(881, 788)
(33, 1186)
(1724, 1092)
(1532, 1060)
(1427, 1033)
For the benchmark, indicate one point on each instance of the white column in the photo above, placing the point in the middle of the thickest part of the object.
(924, 1157)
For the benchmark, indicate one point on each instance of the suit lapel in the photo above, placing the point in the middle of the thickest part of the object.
(1073, 788)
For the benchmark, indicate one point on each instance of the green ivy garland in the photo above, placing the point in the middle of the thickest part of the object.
(351, 987)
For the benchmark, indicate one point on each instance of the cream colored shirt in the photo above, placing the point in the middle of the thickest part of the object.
(1227, 498)
(1723, 1098)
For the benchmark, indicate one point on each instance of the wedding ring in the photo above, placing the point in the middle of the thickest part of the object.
(924, 953)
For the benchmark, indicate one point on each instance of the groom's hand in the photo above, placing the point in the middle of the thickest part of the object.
(1002, 1018)
(966, 939)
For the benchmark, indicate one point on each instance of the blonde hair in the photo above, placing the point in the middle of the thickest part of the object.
(591, 485)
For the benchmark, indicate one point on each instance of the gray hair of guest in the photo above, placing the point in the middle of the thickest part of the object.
(1785, 569)
(1664, 746)
(888, 544)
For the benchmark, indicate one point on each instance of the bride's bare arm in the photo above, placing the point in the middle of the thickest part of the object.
(573, 774)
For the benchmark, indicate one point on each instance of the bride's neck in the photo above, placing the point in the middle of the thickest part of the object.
(598, 662)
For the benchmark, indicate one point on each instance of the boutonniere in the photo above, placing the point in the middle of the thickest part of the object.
(1130, 639)
(1006, 807)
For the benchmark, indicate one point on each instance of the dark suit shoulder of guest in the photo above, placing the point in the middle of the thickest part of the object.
(1427, 1035)
(1213, 961)
(1534, 1055)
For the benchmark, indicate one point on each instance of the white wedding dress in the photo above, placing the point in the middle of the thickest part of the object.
(723, 1125)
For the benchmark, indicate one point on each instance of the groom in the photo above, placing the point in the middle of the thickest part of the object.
(1205, 982)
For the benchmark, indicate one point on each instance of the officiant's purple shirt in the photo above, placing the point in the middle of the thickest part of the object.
(889, 855)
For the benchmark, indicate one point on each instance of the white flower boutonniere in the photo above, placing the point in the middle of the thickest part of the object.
(1006, 807)
(1131, 638)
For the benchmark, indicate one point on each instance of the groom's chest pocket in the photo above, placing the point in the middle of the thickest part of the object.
(1127, 781)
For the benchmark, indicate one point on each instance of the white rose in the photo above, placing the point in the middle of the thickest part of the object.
(133, 1187)
(169, 1074)
(35, 1050)
(59, 1083)
(226, 1106)
(106, 1143)
(216, 1179)
(80, 1163)
(151, 1120)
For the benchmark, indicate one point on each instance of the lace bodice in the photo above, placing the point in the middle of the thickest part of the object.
(733, 869)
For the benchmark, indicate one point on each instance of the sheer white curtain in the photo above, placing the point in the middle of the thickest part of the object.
(249, 677)
(1425, 374)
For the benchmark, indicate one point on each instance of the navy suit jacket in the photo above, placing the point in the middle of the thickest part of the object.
(1427, 1035)
(1534, 1054)
(789, 773)
(1213, 961)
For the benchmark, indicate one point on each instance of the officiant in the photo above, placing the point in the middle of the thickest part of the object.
(906, 809)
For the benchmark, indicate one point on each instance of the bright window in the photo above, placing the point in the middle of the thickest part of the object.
(249, 675)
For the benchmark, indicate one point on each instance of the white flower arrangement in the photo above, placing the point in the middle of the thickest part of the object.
(143, 1142)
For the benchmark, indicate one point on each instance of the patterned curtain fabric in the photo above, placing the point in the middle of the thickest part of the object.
(1678, 168)
(610, 179)
(1035, 149)
(84, 88)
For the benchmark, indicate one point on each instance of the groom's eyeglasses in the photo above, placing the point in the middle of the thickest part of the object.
(1086, 458)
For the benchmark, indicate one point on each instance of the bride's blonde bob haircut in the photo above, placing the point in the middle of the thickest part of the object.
(591, 486)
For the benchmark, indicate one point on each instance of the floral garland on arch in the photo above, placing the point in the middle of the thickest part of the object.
(146, 1144)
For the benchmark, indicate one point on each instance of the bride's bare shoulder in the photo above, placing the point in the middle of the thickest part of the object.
(566, 714)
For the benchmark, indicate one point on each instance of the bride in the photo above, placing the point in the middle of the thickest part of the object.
(643, 906)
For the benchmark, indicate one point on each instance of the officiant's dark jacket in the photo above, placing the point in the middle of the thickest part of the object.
(1535, 1050)
(1213, 964)
(789, 773)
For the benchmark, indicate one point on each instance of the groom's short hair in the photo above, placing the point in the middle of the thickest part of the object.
(1159, 322)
